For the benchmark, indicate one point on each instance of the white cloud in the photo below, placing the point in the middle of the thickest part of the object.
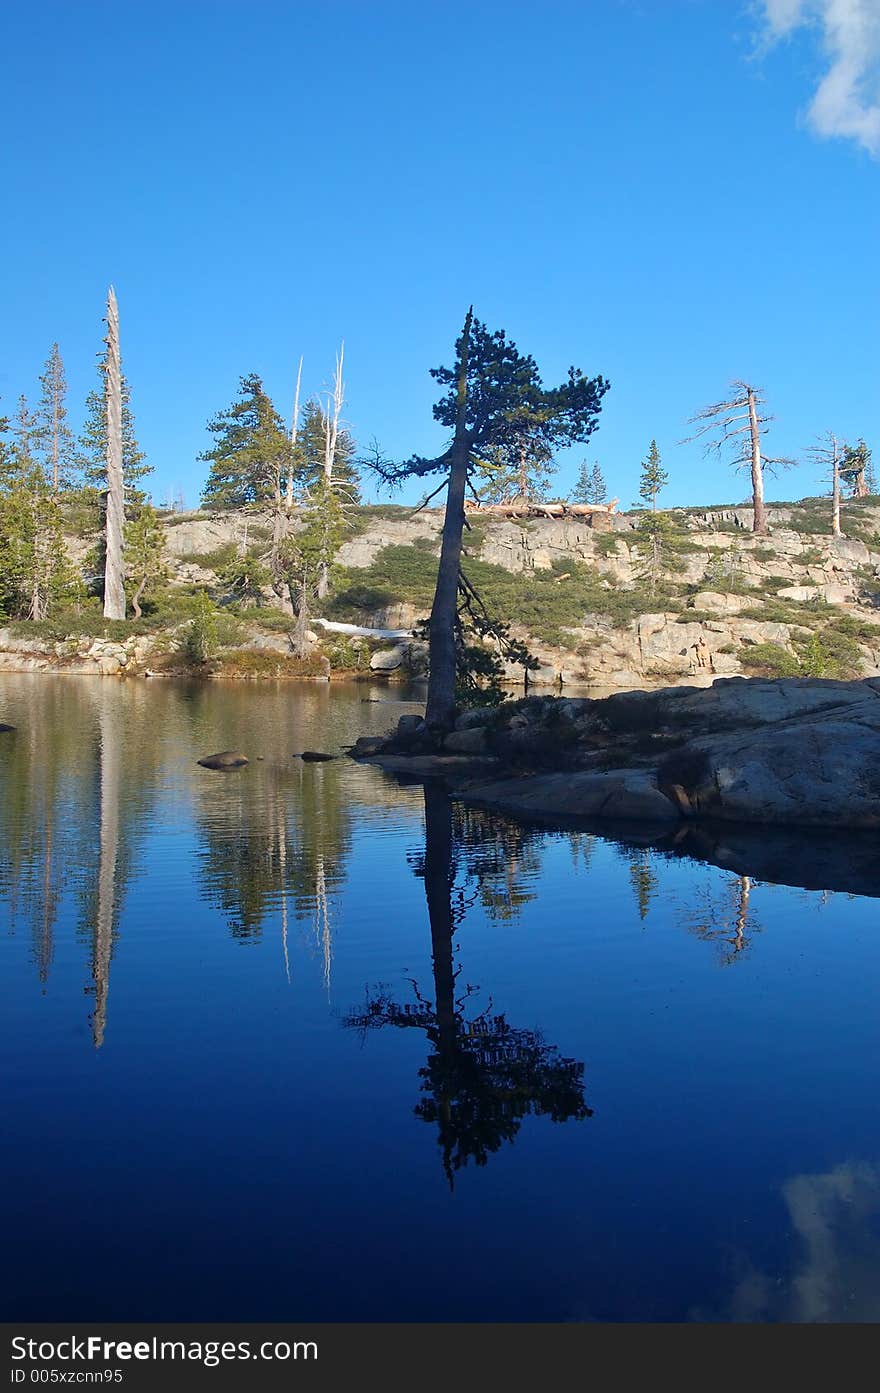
(847, 101)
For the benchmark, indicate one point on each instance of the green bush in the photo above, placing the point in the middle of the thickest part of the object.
(769, 660)
(825, 653)
(201, 637)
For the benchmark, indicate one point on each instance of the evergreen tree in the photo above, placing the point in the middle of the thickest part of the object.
(251, 455)
(55, 440)
(92, 454)
(303, 559)
(493, 399)
(35, 571)
(7, 453)
(590, 486)
(653, 477)
(654, 532)
(24, 431)
(500, 479)
(857, 471)
(310, 456)
(145, 564)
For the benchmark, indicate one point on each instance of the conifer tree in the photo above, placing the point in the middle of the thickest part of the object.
(493, 397)
(590, 486)
(24, 432)
(7, 456)
(303, 558)
(310, 455)
(35, 571)
(145, 564)
(526, 476)
(91, 457)
(251, 455)
(653, 477)
(55, 440)
(857, 471)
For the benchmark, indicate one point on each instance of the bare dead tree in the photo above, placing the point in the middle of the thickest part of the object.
(294, 427)
(114, 590)
(828, 454)
(332, 414)
(737, 425)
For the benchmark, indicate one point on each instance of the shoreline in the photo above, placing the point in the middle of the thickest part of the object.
(798, 752)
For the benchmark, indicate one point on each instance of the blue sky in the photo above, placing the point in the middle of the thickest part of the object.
(624, 186)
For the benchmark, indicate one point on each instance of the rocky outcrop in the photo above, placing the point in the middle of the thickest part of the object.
(76, 654)
(790, 752)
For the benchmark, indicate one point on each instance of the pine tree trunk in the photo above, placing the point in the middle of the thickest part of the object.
(136, 598)
(759, 518)
(835, 490)
(523, 472)
(440, 710)
(114, 590)
(300, 643)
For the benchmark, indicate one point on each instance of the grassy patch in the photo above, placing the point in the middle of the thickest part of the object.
(247, 663)
(543, 604)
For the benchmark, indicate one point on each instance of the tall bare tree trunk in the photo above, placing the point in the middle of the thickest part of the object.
(440, 710)
(523, 471)
(331, 438)
(294, 427)
(114, 590)
(759, 520)
(835, 490)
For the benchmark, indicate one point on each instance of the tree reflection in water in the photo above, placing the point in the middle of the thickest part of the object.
(482, 1075)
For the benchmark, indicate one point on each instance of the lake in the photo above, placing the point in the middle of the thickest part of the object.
(295, 1042)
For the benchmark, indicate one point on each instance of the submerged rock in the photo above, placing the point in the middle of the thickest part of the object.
(4, 726)
(315, 756)
(226, 759)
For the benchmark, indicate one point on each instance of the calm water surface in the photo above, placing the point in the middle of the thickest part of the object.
(295, 1042)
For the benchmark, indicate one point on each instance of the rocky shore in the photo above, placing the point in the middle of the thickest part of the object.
(789, 752)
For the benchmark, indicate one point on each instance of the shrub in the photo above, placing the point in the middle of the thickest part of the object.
(247, 662)
(201, 636)
(769, 660)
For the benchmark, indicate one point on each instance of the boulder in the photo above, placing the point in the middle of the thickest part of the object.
(467, 742)
(368, 745)
(411, 727)
(477, 716)
(823, 773)
(715, 603)
(388, 659)
(226, 759)
(4, 727)
(315, 757)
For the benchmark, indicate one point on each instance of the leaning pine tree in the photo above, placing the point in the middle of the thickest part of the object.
(114, 523)
(494, 401)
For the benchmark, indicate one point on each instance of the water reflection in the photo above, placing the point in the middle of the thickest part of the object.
(482, 1076)
(835, 1276)
(185, 901)
(77, 798)
(275, 841)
